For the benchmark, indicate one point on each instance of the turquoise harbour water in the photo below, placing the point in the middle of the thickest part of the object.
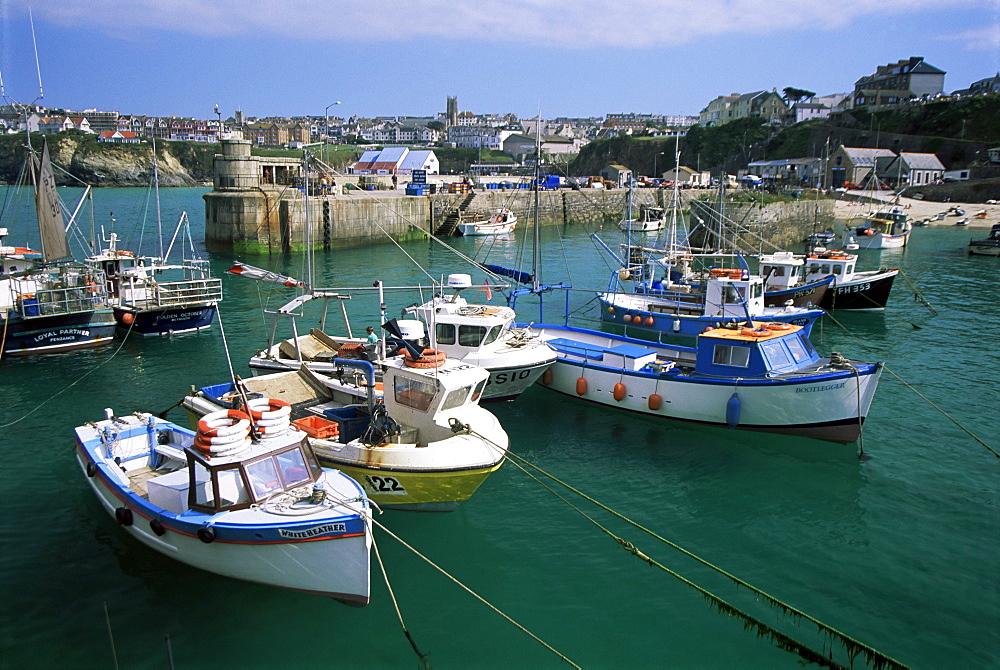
(899, 551)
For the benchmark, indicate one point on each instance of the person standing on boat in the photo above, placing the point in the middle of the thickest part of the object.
(371, 337)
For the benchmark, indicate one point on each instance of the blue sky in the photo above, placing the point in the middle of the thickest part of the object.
(389, 57)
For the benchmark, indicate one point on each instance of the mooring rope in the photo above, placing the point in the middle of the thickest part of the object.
(423, 657)
(424, 661)
(921, 395)
(477, 596)
(916, 292)
(72, 383)
(852, 646)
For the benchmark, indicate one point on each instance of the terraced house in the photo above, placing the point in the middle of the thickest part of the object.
(896, 83)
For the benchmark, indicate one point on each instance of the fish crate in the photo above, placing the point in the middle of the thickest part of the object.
(352, 421)
(318, 427)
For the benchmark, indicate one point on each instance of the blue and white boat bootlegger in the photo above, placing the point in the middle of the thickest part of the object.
(767, 377)
(258, 509)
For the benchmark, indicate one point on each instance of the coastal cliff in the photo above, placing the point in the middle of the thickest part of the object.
(80, 158)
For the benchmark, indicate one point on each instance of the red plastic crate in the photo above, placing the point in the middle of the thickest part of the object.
(317, 426)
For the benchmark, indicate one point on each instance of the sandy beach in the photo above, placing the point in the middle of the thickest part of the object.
(921, 209)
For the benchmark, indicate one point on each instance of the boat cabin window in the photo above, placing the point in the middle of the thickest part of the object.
(456, 398)
(471, 336)
(263, 478)
(730, 295)
(479, 390)
(777, 271)
(445, 333)
(849, 270)
(215, 489)
(837, 269)
(801, 348)
(493, 334)
(726, 354)
(774, 352)
(238, 485)
(414, 393)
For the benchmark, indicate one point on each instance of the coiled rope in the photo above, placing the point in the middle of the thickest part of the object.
(852, 646)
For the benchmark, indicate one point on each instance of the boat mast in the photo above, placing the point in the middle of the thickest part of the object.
(156, 191)
(535, 282)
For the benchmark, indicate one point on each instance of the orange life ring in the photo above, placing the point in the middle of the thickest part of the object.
(275, 408)
(217, 423)
(755, 332)
(777, 325)
(429, 358)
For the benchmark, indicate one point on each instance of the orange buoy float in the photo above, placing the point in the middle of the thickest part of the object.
(128, 318)
(547, 376)
(581, 386)
(777, 325)
(619, 392)
(654, 401)
(429, 358)
(649, 321)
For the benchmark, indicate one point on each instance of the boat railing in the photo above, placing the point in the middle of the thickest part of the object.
(70, 295)
(172, 294)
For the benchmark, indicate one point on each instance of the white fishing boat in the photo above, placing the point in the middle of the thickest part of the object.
(648, 219)
(481, 335)
(153, 296)
(484, 335)
(763, 377)
(236, 498)
(414, 436)
(500, 221)
(670, 295)
(882, 229)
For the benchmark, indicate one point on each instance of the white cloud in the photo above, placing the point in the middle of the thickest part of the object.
(986, 38)
(559, 24)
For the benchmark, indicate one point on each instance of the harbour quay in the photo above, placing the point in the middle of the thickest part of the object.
(259, 206)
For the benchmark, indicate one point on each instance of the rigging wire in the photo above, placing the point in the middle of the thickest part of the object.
(852, 646)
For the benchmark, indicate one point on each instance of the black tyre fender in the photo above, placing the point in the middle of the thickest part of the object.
(91, 468)
(206, 534)
(157, 527)
(124, 516)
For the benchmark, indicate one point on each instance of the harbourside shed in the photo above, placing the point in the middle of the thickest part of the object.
(911, 169)
(619, 174)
